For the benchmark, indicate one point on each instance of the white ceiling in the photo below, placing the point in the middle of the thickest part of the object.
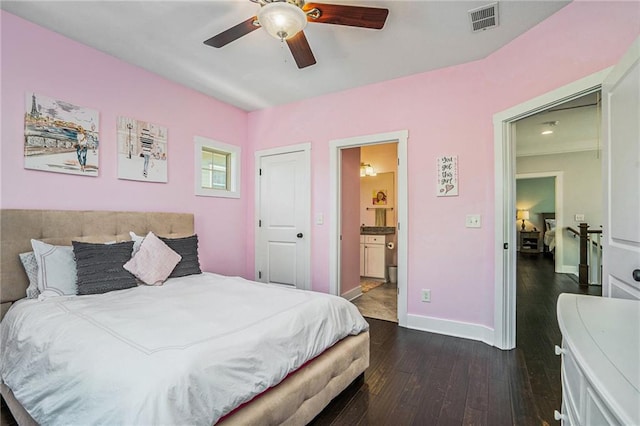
(257, 71)
(577, 128)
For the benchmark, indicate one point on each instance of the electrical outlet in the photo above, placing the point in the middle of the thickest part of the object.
(426, 295)
(473, 221)
(579, 218)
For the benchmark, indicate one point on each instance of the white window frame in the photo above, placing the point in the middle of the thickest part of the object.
(233, 151)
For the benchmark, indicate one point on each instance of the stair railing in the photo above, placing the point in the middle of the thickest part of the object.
(590, 267)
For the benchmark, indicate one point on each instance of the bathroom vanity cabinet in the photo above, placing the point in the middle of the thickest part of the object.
(372, 256)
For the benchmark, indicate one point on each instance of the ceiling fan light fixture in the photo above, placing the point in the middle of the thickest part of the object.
(282, 20)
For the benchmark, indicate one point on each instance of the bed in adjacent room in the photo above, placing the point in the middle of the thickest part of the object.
(199, 349)
(549, 236)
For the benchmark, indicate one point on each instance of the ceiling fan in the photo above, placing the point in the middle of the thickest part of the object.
(286, 19)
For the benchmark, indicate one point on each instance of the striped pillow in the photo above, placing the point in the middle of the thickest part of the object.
(100, 267)
(187, 248)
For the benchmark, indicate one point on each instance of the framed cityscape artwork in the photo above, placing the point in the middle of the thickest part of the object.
(60, 136)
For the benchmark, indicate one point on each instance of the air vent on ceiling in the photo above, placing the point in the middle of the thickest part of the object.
(484, 17)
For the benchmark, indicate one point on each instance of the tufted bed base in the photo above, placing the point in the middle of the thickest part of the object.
(295, 401)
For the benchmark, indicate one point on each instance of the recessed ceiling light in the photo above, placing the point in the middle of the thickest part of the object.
(548, 127)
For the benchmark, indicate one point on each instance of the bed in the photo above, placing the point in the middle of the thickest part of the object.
(549, 236)
(295, 395)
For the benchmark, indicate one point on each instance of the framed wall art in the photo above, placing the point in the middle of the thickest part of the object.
(60, 136)
(142, 150)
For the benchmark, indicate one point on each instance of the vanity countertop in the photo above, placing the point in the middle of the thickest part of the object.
(377, 230)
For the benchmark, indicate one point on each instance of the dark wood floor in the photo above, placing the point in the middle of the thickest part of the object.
(418, 378)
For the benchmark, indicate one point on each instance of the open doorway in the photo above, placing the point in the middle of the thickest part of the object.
(539, 206)
(368, 271)
(561, 143)
(347, 224)
(506, 158)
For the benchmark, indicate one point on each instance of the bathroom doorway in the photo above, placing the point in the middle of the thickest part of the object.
(346, 167)
(368, 273)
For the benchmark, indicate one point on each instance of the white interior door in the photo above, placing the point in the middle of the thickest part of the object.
(282, 249)
(621, 171)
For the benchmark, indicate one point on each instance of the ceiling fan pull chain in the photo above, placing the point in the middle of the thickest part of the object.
(283, 53)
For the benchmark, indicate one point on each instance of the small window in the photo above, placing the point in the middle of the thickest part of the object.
(217, 168)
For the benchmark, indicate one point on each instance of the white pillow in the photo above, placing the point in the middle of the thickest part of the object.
(551, 224)
(153, 262)
(31, 268)
(56, 269)
(137, 241)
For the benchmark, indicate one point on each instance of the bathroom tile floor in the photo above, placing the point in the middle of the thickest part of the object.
(379, 303)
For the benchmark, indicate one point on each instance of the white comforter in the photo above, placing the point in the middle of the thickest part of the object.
(187, 352)
(550, 239)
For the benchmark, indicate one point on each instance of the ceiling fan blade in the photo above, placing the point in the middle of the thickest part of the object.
(301, 50)
(233, 33)
(354, 16)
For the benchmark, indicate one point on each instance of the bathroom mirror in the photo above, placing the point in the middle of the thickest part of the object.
(377, 200)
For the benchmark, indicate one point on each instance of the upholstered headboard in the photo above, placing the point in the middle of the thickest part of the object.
(60, 227)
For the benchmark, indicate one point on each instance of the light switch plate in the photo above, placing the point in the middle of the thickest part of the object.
(473, 221)
(319, 219)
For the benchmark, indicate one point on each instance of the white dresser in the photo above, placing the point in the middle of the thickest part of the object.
(600, 360)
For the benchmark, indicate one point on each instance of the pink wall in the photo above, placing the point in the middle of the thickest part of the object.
(350, 191)
(35, 59)
(448, 111)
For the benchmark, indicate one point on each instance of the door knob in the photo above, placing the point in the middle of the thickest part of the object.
(636, 274)
(299, 235)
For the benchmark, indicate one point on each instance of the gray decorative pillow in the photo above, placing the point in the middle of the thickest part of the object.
(186, 247)
(100, 267)
(31, 268)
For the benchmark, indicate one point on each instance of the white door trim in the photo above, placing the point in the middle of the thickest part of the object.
(559, 197)
(401, 137)
(504, 319)
(306, 148)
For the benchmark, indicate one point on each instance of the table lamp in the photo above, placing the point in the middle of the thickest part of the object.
(524, 215)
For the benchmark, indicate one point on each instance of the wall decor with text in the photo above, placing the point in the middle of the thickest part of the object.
(447, 185)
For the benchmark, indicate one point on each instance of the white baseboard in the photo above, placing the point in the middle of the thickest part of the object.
(568, 269)
(354, 293)
(451, 328)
